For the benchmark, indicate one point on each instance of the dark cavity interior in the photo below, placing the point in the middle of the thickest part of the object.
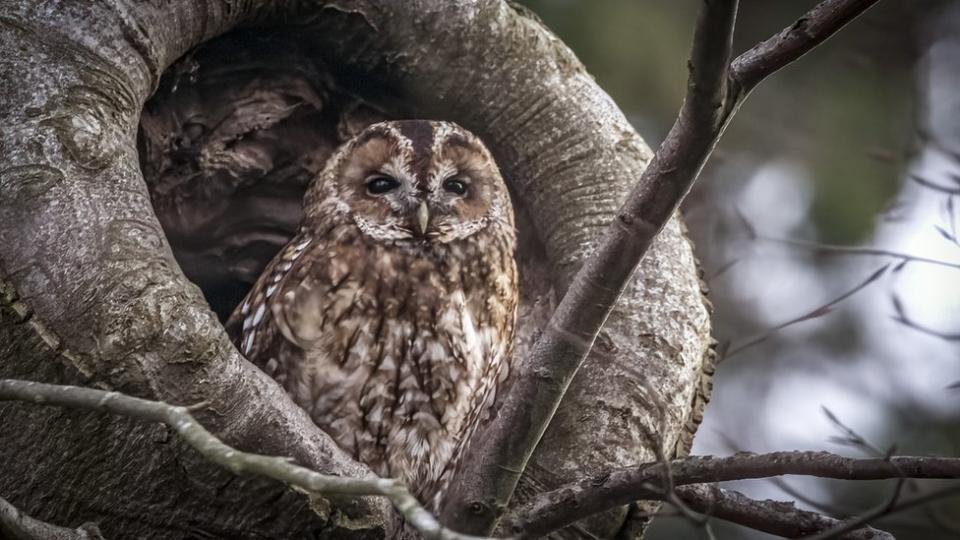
(229, 142)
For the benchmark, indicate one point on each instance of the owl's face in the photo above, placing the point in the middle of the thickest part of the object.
(417, 181)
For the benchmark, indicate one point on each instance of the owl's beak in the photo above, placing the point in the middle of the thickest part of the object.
(423, 217)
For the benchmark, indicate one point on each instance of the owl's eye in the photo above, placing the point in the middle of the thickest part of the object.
(378, 185)
(455, 186)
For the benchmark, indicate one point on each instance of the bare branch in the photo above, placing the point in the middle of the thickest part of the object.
(810, 30)
(213, 449)
(16, 525)
(774, 517)
(496, 458)
(571, 502)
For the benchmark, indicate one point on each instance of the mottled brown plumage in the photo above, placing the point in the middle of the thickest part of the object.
(390, 316)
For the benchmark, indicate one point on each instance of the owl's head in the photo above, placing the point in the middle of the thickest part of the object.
(414, 180)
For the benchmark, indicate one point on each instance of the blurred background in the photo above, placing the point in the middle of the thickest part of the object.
(834, 169)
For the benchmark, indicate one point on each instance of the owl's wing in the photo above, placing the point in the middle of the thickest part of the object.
(283, 312)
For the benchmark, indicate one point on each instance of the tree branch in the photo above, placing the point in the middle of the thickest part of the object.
(565, 505)
(774, 517)
(213, 449)
(796, 40)
(496, 458)
(16, 525)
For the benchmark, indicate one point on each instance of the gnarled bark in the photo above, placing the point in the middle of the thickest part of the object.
(93, 294)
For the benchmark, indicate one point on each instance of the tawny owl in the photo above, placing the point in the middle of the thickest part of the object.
(390, 315)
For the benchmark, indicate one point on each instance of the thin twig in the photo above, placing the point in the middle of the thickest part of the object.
(902, 318)
(949, 190)
(857, 250)
(882, 509)
(216, 451)
(497, 456)
(852, 438)
(815, 313)
(889, 507)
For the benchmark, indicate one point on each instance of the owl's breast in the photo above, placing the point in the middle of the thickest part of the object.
(396, 378)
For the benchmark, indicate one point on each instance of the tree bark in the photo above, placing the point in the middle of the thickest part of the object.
(92, 293)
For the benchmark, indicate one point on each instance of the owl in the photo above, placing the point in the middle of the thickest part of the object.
(390, 316)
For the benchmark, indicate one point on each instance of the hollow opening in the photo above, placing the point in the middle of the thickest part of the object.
(228, 144)
(235, 132)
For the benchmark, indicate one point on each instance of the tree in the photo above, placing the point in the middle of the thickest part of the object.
(142, 328)
(93, 296)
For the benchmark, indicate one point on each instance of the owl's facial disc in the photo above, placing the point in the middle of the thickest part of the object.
(422, 182)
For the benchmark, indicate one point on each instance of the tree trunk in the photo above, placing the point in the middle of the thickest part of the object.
(92, 293)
